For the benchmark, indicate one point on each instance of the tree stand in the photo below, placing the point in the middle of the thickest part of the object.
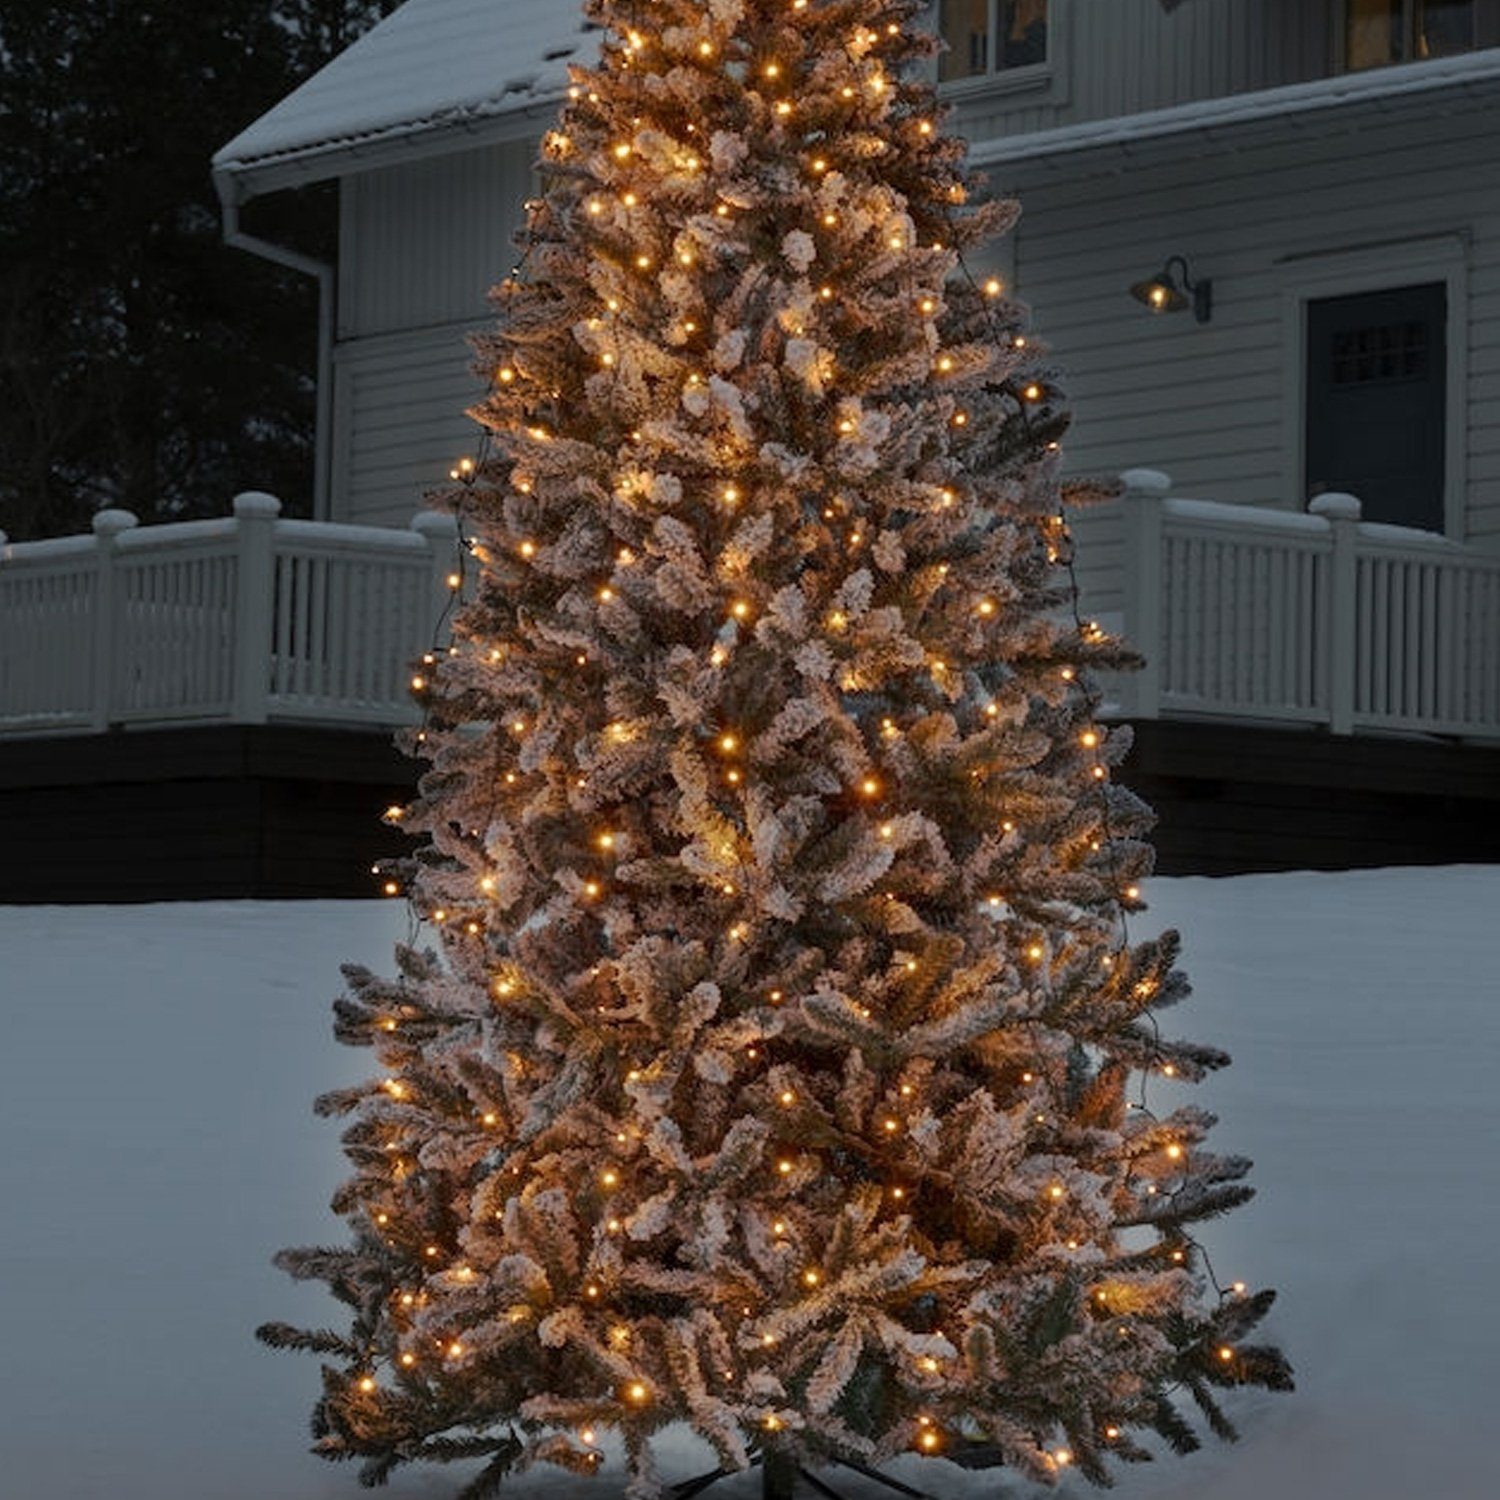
(780, 1473)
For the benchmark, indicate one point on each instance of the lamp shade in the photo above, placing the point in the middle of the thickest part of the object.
(1168, 291)
(1160, 293)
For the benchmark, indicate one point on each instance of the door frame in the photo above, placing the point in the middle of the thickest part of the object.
(1377, 268)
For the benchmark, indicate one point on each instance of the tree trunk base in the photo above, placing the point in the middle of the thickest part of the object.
(778, 1476)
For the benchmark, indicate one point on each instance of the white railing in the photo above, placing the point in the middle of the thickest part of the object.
(1253, 613)
(1241, 612)
(247, 619)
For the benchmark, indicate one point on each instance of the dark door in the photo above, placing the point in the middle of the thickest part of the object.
(1377, 401)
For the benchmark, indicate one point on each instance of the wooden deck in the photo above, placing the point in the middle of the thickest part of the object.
(197, 813)
(1232, 799)
(289, 811)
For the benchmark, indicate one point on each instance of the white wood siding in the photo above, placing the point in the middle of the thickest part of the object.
(1209, 404)
(1122, 57)
(399, 423)
(420, 246)
(422, 243)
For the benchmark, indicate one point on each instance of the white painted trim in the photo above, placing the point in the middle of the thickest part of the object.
(1378, 268)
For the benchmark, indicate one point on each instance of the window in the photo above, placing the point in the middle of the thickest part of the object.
(1378, 32)
(987, 37)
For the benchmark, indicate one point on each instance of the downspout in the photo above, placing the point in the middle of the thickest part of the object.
(310, 266)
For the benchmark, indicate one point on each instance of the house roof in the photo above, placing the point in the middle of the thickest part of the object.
(433, 69)
(436, 74)
(438, 67)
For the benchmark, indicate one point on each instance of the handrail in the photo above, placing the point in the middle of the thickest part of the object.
(1317, 618)
(243, 619)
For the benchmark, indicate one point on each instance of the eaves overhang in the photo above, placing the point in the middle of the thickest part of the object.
(433, 77)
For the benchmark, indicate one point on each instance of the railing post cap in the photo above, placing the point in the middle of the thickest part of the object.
(435, 524)
(1335, 505)
(112, 522)
(1146, 481)
(256, 504)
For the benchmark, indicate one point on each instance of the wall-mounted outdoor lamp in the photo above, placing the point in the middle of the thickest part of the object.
(1166, 292)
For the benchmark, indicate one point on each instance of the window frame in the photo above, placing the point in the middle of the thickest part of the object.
(1045, 78)
(1486, 34)
(1378, 268)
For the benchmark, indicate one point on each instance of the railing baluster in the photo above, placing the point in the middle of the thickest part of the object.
(1449, 645)
(1427, 698)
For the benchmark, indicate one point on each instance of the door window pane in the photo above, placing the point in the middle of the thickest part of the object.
(1444, 27)
(1373, 33)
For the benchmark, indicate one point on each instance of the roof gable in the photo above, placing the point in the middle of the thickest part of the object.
(431, 64)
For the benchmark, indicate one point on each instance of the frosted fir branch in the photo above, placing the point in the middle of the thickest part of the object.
(831, 1377)
(949, 1033)
(375, 1472)
(645, 1480)
(487, 1483)
(342, 1101)
(1195, 1203)
(560, 1451)
(314, 1341)
(837, 1016)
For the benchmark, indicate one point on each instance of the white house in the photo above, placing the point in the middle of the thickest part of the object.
(1324, 169)
(1261, 238)
(1270, 143)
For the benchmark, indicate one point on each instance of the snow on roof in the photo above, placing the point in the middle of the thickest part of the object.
(431, 64)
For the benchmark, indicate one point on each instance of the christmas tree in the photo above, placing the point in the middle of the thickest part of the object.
(776, 1060)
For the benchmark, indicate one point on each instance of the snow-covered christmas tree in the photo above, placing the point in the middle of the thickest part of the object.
(776, 1059)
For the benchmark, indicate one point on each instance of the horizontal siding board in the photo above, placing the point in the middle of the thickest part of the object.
(1405, 143)
(1127, 56)
(424, 241)
(401, 402)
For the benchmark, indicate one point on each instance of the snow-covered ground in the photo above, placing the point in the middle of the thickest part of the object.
(156, 1147)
